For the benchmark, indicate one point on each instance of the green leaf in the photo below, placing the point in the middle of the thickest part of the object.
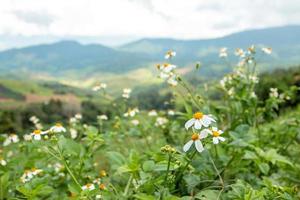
(264, 168)
(207, 194)
(148, 165)
(143, 196)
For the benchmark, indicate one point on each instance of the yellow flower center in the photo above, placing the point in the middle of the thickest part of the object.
(88, 185)
(198, 115)
(166, 64)
(101, 186)
(216, 133)
(58, 125)
(37, 132)
(158, 66)
(195, 136)
(103, 173)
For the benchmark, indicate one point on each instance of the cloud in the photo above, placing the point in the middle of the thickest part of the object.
(144, 18)
(40, 18)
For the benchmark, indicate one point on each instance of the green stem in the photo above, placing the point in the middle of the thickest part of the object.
(217, 171)
(128, 185)
(184, 168)
(68, 168)
(168, 168)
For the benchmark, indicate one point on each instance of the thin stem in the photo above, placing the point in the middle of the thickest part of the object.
(128, 185)
(185, 167)
(67, 167)
(216, 169)
(168, 168)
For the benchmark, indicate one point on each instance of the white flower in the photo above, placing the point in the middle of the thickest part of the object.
(223, 52)
(216, 135)
(170, 54)
(239, 52)
(267, 50)
(78, 116)
(230, 92)
(2, 162)
(166, 68)
(135, 122)
(126, 93)
(102, 117)
(27, 137)
(196, 138)
(251, 49)
(161, 121)
(253, 78)
(29, 174)
(34, 119)
(152, 113)
(58, 167)
(99, 87)
(88, 186)
(274, 92)
(171, 112)
(37, 134)
(199, 120)
(73, 133)
(131, 112)
(172, 81)
(98, 196)
(97, 181)
(12, 138)
(57, 128)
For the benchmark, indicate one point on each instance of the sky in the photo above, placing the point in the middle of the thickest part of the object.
(113, 22)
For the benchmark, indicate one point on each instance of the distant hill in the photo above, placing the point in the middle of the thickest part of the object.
(72, 59)
(285, 42)
(64, 56)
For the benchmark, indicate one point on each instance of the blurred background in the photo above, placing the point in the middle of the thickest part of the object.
(54, 53)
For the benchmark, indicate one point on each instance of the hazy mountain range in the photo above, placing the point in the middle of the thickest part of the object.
(66, 58)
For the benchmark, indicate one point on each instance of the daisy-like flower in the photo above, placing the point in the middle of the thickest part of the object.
(27, 137)
(88, 186)
(171, 112)
(73, 133)
(57, 128)
(97, 181)
(223, 52)
(131, 112)
(135, 122)
(12, 138)
(253, 78)
(239, 52)
(166, 67)
(199, 119)
(161, 121)
(172, 80)
(274, 92)
(78, 116)
(170, 54)
(152, 113)
(126, 93)
(99, 87)
(267, 50)
(2, 161)
(251, 49)
(196, 139)
(215, 132)
(102, 117)
(37, 134)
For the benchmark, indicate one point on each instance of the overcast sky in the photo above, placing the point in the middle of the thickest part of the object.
(123, 19)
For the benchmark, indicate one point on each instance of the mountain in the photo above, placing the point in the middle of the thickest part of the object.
(285, 42)
(70, 59)
(61, 57)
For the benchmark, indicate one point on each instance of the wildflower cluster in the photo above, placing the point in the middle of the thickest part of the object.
(200, 124)
(167, 70)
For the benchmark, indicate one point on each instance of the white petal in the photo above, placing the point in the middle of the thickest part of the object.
(222, 139)
(189, 123)
(214, 128)
(215, 140)
(204, 133)
(188, 145)
(205, 121)
(199, 146)
(210, 117)
(198, 124)
(37, 137)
